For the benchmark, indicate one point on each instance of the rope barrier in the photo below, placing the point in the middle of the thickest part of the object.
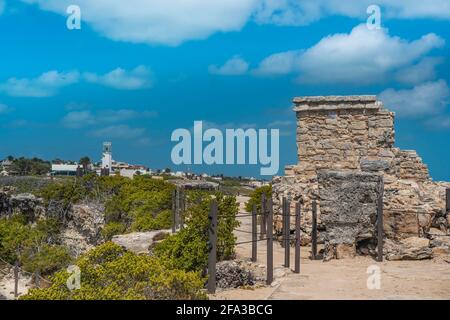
(25, 272)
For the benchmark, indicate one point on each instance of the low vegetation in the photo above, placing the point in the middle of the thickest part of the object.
(111, 273)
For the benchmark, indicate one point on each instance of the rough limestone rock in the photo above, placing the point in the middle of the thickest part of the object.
(83, 226)
(140, 242)
(348, 202)
(25, 203)
(233, 274)
(412, 248)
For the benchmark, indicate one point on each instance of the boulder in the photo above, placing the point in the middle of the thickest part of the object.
(232, 274)
(413, 248)
(140, 242)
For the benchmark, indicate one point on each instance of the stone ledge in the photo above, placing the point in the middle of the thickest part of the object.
(334, 99)
(336, 103)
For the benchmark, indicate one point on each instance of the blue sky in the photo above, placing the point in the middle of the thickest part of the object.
(139, 69)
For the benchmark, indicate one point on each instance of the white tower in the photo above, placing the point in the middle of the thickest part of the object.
(107, 156)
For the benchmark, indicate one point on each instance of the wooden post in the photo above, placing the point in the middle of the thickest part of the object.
(297, 237)
(263, 216)
(37, 279)
(182, 198)
(269, 271)
(16, 279)
(177, 205)
(447, 200)
(314, 231)
(286, 232)
(174, 214)
(254, 234)
(380, 225)
(212, 247)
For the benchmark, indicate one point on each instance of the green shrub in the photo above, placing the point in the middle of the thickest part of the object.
(30, 244)
(47, 259)
(147, 222)
(110, 272)
(256, 197)
(188, 249)
(113, 228)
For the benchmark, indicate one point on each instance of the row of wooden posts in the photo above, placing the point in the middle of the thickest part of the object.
(266, 229)
(266, 233)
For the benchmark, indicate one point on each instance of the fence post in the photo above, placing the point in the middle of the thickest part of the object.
(314, 231)
(182, 198)
(297, 237)
(269, 271)
(174, 214)
(254, 234)
(37, 279)
(380, 225)
(212, 247)
(16, 279)
(286, 232)
(263, 216)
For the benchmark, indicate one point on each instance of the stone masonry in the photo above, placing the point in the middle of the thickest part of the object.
(356, 133)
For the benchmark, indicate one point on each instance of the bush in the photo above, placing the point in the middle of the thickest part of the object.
(31, 244)
(147, 222)
(47, 259)
(139, 203)
(256, 197)
(113, 228)
(188, 249)
(110, 272)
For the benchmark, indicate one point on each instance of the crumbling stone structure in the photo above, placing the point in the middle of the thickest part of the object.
(356, 134)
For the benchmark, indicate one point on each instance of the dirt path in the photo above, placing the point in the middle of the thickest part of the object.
(341, 279)
(7, 283)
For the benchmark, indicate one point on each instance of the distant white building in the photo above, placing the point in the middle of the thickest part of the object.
(107, 156)
(64, 169)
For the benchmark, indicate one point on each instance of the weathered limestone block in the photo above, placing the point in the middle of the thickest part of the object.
(348, 202)
(140, 242)
(412, 248)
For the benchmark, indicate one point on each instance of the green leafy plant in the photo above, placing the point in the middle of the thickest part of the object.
(256, 197)
(188, 249)
(110, 272)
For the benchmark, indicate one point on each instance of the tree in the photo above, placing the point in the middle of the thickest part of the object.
(85, 162)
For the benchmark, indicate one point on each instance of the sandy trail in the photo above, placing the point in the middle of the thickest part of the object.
(7, 283)
(341, 279)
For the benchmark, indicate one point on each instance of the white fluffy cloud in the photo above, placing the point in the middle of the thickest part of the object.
(430, 98)
(175, 21)
(138, 78)
(233, 67)
(279, 64)
(84, 118)
(121, 131)
(361, 57)
(423, 71)
(156, 21)
(295, 12)
(47, 84)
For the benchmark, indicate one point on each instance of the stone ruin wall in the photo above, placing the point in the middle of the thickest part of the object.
(357, 133)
